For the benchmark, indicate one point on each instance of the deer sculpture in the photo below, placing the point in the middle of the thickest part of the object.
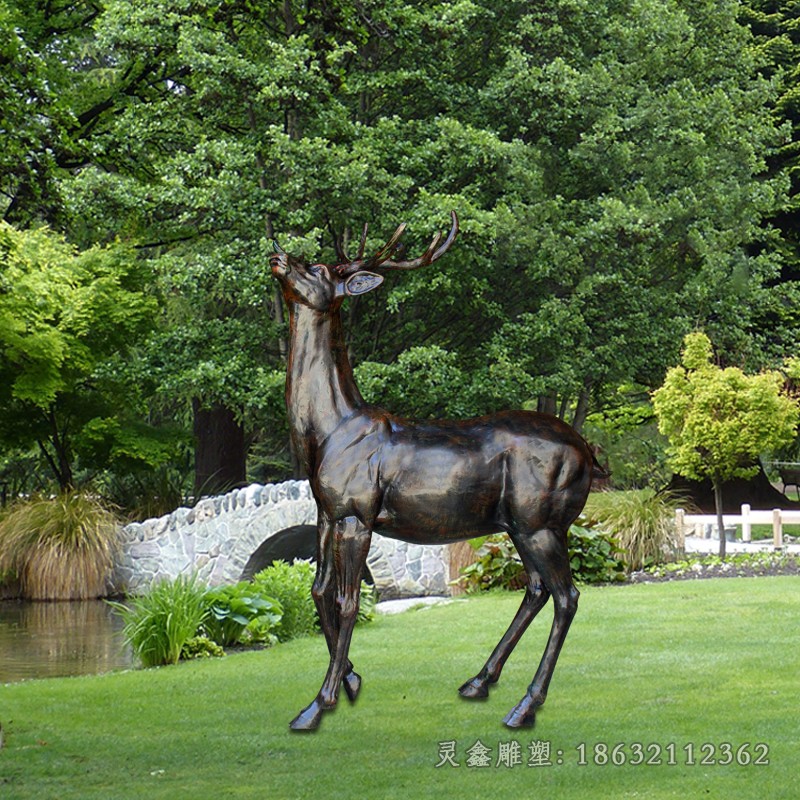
(426, 482)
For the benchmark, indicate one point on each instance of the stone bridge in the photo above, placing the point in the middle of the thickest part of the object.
(219, 536)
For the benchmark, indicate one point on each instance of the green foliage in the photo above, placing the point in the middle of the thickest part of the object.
(616, 201)
(201, 647)
(626, 435)
(423, 381)
(290, 586)
(594, 555)
(719, 421)
(498, 565)
(62, 311)
(776, 48)
(641, 522)
(60, 548)
(235, 607)
(367, 600)
(64, 314)
(182, 619)
(159, 623)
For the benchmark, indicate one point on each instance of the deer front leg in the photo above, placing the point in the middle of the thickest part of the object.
(351, 540)
(323, 591)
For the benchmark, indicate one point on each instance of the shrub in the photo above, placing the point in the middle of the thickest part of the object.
(231, 609)
(290, 586)
(368, 599)
(498, 565)
(60, 548)
(641, 521)
(201, 647)
(593, 556)
(159, 623)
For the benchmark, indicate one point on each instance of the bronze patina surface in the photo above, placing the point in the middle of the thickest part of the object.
(522, 472)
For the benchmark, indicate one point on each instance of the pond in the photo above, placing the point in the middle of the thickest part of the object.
(48, 640)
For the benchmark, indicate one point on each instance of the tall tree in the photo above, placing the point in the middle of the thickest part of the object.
(606, 160)
(62, 314)
(776, 49)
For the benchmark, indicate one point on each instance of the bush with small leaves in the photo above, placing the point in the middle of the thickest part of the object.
(201, 647)
(290, 586)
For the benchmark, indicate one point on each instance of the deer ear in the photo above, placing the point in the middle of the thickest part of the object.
(362, 282)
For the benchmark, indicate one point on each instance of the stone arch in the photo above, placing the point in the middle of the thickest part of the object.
(298, 541)
(220, 536)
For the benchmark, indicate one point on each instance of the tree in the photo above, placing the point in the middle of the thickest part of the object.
(606, 160)
(776, 50)
(719, 421)
(64, 314)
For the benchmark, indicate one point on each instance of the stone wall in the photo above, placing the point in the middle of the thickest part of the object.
(216, 538)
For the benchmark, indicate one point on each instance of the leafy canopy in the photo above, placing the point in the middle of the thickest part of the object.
(65, 315)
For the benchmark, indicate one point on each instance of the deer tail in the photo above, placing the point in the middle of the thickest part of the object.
(599, 472)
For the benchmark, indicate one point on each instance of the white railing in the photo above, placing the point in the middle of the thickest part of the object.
(777, 517)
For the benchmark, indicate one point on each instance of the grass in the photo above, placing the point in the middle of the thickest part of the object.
(684, 663)
(765, 531)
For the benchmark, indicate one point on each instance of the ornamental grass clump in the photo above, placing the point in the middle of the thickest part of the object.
(59, 548)
(641, 522)
(160, 623)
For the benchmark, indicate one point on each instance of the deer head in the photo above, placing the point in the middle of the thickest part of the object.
(320, 286)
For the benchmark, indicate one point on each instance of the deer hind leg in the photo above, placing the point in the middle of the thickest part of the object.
(546, 551)
(349, 551)
(532, 602)
(323, 591)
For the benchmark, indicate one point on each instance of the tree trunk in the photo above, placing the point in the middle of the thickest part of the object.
(220, 454)
(60, 460)
(581, 410)
(547, 403)
(718, 507)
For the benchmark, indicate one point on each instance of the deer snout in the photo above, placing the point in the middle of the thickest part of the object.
(279, 265)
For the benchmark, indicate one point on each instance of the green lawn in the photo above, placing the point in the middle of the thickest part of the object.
(765, 531)
(685, 664)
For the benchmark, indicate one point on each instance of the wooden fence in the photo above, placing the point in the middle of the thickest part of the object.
(777, 517)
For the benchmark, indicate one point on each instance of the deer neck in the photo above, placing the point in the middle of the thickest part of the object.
(320, 388)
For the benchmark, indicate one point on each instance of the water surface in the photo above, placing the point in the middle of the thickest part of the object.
(48, 640)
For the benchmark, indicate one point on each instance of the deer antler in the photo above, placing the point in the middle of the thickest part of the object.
(382, 259)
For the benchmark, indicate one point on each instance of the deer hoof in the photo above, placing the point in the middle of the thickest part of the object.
(309, 718)
(352, 685)
(523, 715)
(475, 689)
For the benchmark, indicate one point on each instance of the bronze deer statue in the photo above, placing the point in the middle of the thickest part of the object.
(427, 482)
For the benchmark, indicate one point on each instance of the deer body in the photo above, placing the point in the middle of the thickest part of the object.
(437, 482)
(420, 481)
